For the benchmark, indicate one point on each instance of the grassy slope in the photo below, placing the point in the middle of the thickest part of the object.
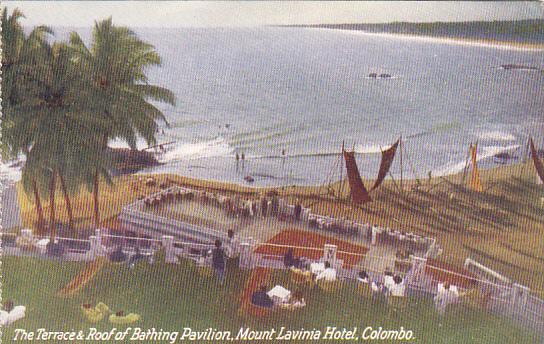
(501, 227)
(171, 297)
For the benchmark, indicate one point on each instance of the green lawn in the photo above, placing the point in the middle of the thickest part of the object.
(171, 297)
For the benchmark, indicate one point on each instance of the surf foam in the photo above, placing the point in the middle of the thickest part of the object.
(484, 153)
(190, 151)
(496, 136)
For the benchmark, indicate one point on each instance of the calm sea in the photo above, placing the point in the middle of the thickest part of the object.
(263, 92)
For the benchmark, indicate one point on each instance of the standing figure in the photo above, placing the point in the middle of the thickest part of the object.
(264, 206)
(274, 205)
(298, 210)
(218, 261)
(233, 245)
(250, 207)
(445, 296)
(254, 208)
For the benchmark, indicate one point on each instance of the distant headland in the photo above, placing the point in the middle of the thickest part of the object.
(522, 34)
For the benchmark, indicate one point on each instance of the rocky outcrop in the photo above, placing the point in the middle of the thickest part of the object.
(516, 66)
(126, 160)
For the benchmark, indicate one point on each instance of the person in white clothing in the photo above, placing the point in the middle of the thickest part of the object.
(329, 274)
(250, 207)
(388, 281)
(11, 314)
(296, 301)
(232, 246)
(397, 289)
(446, 295)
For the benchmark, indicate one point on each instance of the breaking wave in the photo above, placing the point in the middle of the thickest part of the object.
(189, 151)
(496, 136)
(485, 153)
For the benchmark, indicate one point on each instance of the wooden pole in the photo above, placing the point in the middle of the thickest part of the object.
(466, 165)
(394, 182)
(413, 168)
(401, 165)
(341, 187)
(524, 157)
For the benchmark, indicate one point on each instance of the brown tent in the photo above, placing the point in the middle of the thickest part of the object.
(387, 160)
(359, 194)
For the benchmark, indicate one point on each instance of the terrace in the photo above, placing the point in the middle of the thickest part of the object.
(191, 215)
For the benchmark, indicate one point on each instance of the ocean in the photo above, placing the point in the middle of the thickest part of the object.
(287, 98)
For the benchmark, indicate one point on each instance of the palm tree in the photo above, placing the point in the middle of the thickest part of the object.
(116, 64)
(52, 112)
(19, 56)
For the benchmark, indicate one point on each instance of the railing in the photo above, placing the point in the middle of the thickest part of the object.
(485, 272)
(135, 213)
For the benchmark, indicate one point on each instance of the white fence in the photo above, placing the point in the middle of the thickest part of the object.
(135, 216)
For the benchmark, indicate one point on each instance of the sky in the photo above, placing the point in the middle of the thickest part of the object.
(248, 14)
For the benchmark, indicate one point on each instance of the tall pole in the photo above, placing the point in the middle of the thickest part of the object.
(466, 164)
(341, 187)
(401, 166)
(524, 156)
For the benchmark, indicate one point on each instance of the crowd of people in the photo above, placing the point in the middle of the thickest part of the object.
(389, 286)
(168, 195)
(266, 205)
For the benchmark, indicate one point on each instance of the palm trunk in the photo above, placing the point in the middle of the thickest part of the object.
(39, 209)
(96, 206)
(52, 219)
(67, 201)
(95, 187)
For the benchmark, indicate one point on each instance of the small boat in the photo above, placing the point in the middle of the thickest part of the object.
(249, 179)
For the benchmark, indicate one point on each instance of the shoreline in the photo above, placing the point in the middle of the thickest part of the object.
(472, 42)
(13, 175)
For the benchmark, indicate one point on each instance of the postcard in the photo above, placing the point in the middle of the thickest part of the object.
(242, 171)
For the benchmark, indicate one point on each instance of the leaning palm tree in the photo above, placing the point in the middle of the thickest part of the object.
(20, 55)
(119, 98)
